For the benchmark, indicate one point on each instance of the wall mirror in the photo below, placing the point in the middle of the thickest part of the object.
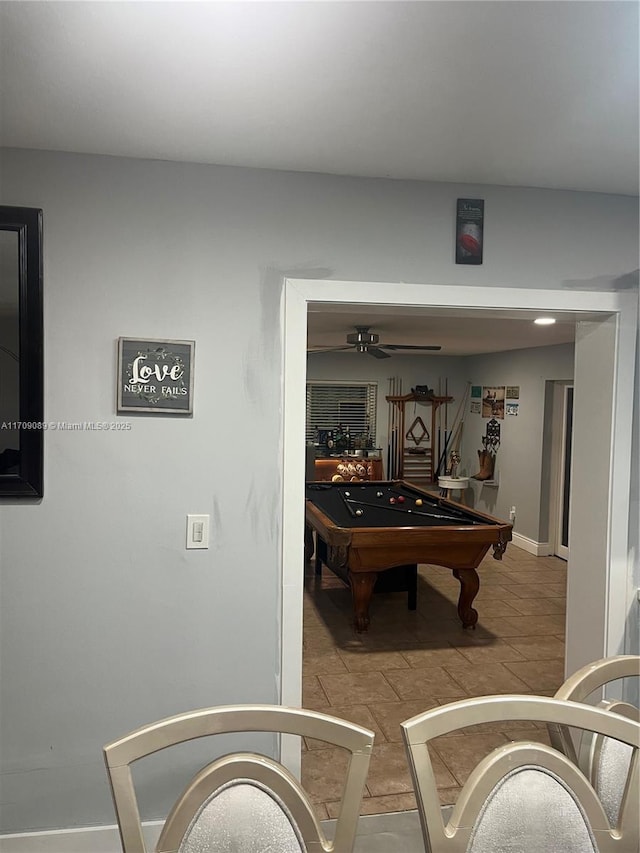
(21, 348)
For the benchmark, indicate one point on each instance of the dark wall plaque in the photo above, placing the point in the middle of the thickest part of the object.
(155, 376)
(469, 230)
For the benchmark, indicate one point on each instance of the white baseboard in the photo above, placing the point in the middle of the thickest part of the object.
(88, 839)
(538, 549)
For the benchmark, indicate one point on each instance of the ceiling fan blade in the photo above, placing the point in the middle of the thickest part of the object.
(377, 353)
(410, 346)
(327, 349)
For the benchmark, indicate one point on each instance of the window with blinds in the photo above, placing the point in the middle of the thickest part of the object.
(352, 405)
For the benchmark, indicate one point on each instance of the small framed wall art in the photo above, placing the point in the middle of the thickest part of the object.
(155, 376)
(469, 230)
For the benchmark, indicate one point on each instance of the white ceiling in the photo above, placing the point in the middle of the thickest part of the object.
(457, 331)
(516, 93)
(521, 93)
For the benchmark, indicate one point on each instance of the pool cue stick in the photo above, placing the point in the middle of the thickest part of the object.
(406, 511)
(394, 429)
(347, 503)
(460, 412)
(446, 420)
(390, 404)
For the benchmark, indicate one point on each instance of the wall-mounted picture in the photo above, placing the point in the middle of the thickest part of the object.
(512, 408)
(475, 407)
(493, 402)
(469, 230)
(155, 376)
(476, 391)
(513, 392)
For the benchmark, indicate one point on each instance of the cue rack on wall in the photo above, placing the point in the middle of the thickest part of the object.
(409, 455)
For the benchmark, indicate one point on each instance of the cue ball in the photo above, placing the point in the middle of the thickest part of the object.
(358, 512)
(347, 494)
(392, 500)
(379, 494)
(400, 499)
(419, 502)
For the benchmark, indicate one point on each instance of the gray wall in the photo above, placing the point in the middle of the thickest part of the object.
(519, 460)
(107, 622)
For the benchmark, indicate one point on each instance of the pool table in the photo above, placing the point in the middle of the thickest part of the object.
(363, 529)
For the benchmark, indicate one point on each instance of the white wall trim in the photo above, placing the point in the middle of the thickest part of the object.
(539, 549)
(299, 293)
(97, 839)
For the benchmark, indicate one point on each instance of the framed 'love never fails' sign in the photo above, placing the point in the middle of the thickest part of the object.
(155, 376)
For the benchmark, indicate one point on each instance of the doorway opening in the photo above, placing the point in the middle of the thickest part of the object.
(613, 315)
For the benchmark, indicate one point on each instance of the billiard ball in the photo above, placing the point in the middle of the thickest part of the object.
(400, 499)
(392, 500)
(379, 494)
(359, 512)
(347, 494)
(419, 502)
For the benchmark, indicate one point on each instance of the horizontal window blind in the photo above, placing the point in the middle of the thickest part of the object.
(352, 405)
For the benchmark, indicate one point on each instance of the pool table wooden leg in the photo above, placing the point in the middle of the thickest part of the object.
(308, 543)
(362, 584)
(469, 586)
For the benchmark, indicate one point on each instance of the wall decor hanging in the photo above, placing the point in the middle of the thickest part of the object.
(487, 456)
(155, 376)
(493, 402)
(469, 230)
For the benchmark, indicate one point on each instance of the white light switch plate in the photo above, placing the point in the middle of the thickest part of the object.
(197, 531)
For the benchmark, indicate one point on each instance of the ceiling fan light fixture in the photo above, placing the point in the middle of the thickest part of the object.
(362, 337)
(544, 321)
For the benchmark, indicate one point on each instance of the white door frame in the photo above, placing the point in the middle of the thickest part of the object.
(298, 293)
(558, 469)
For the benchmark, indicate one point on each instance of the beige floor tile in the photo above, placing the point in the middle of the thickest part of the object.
(389, 715)
(539, 674)
(448, 796)
(380, 805)
(316, 662)
(488, 651)
(538, 648)
(490, 607)
(529, 626)
(538, 606)
(323, 773)
(461, 755)
(313, 696)
(432, 654)
(389, 803)
(359, 714)
(368, 660)
(389, 771)
(357, 688)
(542, 590)
(487, 679)
(428, 683)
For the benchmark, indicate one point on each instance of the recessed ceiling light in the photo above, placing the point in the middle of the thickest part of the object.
(544, 321)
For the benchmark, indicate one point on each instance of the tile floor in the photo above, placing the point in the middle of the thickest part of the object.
(411, 661)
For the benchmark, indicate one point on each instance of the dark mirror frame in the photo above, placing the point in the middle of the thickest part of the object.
(27, 222)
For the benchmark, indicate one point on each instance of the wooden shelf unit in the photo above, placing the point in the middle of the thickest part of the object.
(419, 468)
(326, 468)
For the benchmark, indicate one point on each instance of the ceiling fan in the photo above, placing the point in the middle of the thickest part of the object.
(363, 340)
